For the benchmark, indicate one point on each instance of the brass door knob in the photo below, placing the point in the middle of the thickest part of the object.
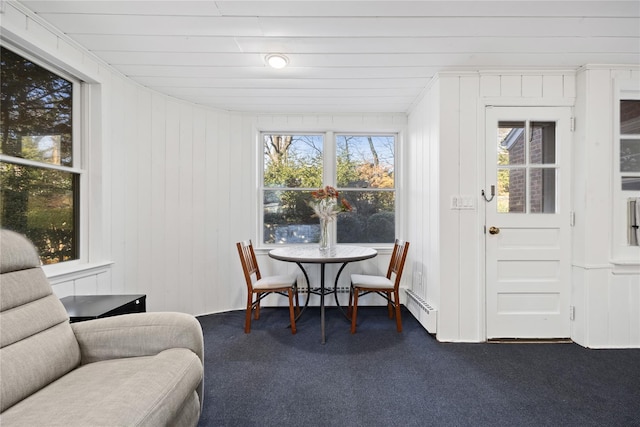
(494, 230)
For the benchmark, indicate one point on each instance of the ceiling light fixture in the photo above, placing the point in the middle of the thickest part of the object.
(277, 60)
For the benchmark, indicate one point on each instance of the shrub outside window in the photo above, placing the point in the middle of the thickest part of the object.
(39, 180)
(362, 170)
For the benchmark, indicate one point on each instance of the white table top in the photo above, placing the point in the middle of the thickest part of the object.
(312, 254)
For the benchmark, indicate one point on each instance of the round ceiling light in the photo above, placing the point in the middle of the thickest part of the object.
(277, 60)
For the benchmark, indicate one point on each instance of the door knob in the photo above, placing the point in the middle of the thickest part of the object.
(494, 230)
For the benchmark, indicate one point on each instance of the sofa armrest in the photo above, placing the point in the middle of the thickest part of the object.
(139, 334)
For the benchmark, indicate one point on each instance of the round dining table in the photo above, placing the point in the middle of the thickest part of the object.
(336, 254)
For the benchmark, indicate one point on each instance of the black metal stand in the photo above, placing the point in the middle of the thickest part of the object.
(322, 291)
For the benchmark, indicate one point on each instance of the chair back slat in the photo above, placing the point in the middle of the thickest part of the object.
(248, 261)
(398, 257)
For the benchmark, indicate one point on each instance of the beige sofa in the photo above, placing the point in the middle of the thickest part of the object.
(142, 369)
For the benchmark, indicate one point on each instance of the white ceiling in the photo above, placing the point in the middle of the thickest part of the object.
(345, 56)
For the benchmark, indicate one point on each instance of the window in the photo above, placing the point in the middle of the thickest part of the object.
(630, 144)
(360, 166)
(526, 167)
(626, 170)
(38, 167)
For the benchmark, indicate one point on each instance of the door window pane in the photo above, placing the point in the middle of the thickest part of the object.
(511, 143)
(630, 183)
(542, 143)
(523, 186)
(630, 155)
(542, 188)
(630, 117)
(511, 191)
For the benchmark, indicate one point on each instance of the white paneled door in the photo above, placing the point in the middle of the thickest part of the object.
(527, 236)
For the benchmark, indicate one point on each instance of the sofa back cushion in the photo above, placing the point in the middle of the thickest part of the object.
(37, 344)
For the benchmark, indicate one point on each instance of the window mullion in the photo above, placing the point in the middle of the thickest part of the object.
(329, 160)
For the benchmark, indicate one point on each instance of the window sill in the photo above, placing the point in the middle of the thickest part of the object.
(625, 266)
(64, 272)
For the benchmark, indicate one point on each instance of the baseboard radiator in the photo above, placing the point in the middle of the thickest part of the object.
(426, 315)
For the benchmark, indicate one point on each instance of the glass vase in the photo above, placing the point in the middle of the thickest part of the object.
(323, 241)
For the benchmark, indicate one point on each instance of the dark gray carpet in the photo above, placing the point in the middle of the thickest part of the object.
(379, 377)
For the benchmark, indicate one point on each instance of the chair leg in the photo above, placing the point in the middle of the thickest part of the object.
(349, 309)
(389, 305)
(354, 313)
(292, 316)
(247, 320)
(256, 313)
(397, 304)
(297, 303)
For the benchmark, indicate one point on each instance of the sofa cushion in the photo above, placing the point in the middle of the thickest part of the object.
(37, 345)
(138, 391)
(17, 252)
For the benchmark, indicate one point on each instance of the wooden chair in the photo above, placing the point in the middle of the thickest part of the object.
(362, 284)
(285, 285)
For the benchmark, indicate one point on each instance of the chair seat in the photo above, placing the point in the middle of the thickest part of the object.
(367, 281)
(285, 285)
(275, 282)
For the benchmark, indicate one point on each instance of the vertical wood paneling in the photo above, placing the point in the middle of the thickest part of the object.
(158, 189)
(569, 86)
(64, 289)
(634, 310)
(619, 313)
(185, 208)
(103, 281)
(118, 145)
(578, 301)
(489, 85)
(597, 307)
(86, 285)
(552, 86)
(532, 86)
(214, 276)
(414, 184)
(128, 164)
(198, 260)
(105, 121)
(229, 201)
(449, 145)
(432, 206)
(599, 158)
(171, 259)
(469, 243)
(144, 265)
(510, 86)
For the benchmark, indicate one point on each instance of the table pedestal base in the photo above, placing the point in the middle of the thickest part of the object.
(322, 291)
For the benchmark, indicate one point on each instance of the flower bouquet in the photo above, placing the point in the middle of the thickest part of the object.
(325, 206)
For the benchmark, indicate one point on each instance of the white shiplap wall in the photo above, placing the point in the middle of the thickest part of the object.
(171, 198)
(606, 272)
(177, 186)
(447, 133)
(185, 192)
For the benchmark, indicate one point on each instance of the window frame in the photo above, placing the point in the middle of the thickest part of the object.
(79, 160)
(328, 176)
(622, 252)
